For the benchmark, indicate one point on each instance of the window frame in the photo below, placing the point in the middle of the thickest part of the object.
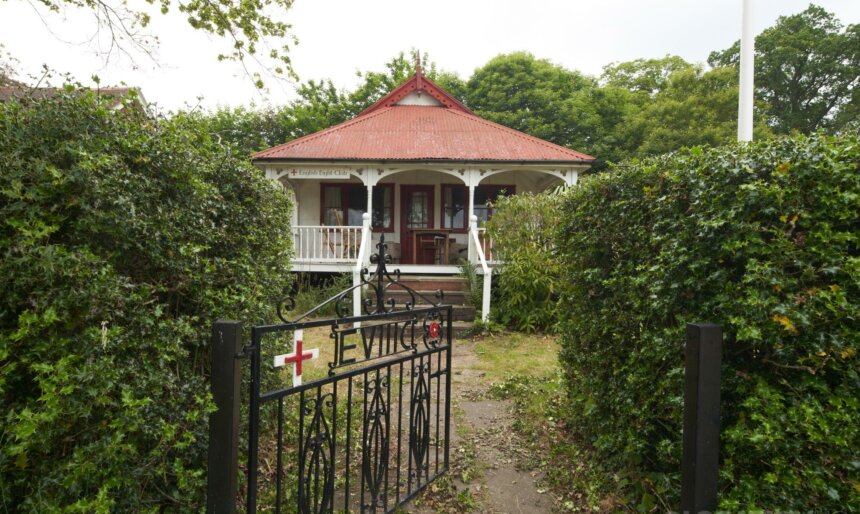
(390, 228)
(443, 205)
(344, 202)
(510, 188)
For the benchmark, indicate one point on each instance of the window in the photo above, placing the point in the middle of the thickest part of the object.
(455, 201)
(344, 204)
(455, 204)
(383, 206)
(485, 196)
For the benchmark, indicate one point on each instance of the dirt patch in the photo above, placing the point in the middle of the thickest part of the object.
(487, 473)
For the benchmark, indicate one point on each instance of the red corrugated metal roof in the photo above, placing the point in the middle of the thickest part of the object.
(387, 131)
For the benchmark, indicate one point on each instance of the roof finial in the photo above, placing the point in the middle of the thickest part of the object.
(418, 73)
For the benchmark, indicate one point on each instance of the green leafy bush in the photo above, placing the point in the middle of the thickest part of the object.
(523, 228)
(761, 238)
(122, 239)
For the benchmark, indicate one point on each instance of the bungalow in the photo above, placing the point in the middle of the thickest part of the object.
(417, 166)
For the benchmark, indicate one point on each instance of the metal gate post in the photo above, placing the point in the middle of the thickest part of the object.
(224, 422)
(700, 464)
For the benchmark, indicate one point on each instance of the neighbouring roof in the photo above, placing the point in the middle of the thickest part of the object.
(114, 94)
(406, 126)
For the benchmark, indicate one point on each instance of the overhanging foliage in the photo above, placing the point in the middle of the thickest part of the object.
(122, 240)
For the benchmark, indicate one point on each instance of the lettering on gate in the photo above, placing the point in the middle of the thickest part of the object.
(372, 341)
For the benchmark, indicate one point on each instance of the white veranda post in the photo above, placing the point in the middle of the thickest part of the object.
(473, 221)
(363, 254)
(365, 247)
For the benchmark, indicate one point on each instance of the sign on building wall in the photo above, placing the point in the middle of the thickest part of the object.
(318, 173)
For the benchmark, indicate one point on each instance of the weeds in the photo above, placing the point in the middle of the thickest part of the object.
(312, 289)
(482, 328)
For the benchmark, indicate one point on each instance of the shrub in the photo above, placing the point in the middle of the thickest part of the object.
(528, 295)
(474, 282)
(761, 238)
(122, 239)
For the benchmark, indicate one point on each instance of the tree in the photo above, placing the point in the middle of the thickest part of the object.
(246, 24)
(596, 116)
(7, 68)
(648, 76)
(807, 70)
(695, 107)
(527, 94)
(549, 101)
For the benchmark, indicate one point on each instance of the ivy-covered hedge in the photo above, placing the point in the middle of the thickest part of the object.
(762, 239)
(122, 239)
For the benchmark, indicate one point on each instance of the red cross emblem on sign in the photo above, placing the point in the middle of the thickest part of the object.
(434, 330)
(297, 357)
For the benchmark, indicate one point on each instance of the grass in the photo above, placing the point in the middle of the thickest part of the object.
(512, 353)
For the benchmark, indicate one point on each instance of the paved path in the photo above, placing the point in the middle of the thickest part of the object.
(485, 453)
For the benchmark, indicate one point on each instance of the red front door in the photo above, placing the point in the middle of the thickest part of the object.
(416, 212)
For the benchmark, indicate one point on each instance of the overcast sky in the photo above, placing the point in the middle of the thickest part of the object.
(339, 37)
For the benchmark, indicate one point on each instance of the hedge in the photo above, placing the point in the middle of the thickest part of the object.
(760, 238)
(123, 238)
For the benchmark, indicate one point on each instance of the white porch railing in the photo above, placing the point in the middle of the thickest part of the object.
(486, 243)
(322, 244)
(481, 258)
(350, 244)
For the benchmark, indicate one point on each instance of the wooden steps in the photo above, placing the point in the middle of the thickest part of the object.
(434, 282)
(462, 329)
(455, 291)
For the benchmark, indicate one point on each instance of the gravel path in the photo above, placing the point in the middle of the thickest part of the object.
(485, 453)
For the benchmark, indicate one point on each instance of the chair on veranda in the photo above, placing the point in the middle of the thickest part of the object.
(328, 236)
(433, 244)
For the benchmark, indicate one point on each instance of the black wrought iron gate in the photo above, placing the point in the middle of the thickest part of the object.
(374, 430)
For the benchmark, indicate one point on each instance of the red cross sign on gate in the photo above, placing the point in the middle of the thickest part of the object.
(296, 357)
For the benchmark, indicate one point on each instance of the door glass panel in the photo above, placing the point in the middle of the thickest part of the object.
(418, 215)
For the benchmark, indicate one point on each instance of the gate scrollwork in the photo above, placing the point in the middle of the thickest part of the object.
(316, 473)
(376, 444)
(373, 430)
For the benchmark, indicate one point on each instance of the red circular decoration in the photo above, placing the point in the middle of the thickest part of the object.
(434, 330)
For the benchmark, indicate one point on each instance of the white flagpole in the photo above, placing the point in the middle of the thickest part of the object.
(745, 96)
